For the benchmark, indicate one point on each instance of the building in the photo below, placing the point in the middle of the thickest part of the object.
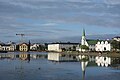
(117, 38)
(23, 47)
(34, 46)
(95, 45)
(8, 47)
(103, 46)
(90, 43)
(83, 40)
(59, 47)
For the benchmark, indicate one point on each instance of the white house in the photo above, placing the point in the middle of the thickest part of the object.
(61, 46)
(8, 47)
(34, 46)
(103, 46)
(117, 38)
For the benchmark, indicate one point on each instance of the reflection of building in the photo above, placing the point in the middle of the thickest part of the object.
(61, 46)
(24, 47)
(103, 61)
(60, 57)
(103, 46)
(24, 56)
(11, 56)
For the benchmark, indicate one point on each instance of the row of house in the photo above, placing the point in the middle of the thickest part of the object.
(93, 45)
(11, 46)
(7, 47)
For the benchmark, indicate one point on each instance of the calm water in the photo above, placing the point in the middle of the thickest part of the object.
(39, 68)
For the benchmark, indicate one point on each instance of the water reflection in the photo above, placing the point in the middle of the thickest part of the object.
(103, 61)
(84, 62)
(60, 57)
(29, 66)
(100, 61)
(21, 56)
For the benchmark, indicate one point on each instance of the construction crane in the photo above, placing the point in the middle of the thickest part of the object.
(22, 35)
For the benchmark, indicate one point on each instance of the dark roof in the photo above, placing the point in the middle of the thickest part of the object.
(64, 43)
(23, 43)
(117, 37)
(5, 44)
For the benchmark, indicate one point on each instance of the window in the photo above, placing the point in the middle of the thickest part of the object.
(104, 48)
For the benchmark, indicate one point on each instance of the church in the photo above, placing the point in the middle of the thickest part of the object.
(94, 45)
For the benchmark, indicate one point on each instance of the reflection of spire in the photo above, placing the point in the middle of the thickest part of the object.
(83, 75)
(83, 65)
(84, 62)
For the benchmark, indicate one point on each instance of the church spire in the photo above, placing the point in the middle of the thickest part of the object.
(83, 34)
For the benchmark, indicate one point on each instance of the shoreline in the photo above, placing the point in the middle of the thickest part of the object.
(109, 54)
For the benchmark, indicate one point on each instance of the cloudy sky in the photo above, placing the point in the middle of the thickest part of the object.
(56, 19)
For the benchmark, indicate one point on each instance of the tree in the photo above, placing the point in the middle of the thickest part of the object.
(84, 47)
(69, 49)
(63, 49)
(115, 45)
(74, 48)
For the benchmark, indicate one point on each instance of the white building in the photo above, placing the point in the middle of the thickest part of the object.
(83, 40)
(103, 46)
(7, 47)
(117, 38)
(34, 46)
(61, 46)
(90, 43)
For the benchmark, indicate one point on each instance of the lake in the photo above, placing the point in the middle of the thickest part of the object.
(36, 66)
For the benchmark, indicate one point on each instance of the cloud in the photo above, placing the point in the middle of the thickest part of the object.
(112, 2)
(49, 16)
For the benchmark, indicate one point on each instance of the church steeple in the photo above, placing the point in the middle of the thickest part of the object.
(83, 34)
(83, 40)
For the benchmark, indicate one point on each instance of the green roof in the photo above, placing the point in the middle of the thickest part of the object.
(92, 42)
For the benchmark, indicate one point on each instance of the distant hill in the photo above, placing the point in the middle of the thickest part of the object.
(76, 38)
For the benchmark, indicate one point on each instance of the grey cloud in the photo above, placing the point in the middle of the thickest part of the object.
(56, 12)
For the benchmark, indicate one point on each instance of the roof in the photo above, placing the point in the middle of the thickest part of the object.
(92, 42)
(23, 43)
(117, 37)
(65, 43)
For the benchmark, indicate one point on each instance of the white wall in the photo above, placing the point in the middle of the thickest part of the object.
(53, 47)
(103, 46)
(58, 47)
(8, 48)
